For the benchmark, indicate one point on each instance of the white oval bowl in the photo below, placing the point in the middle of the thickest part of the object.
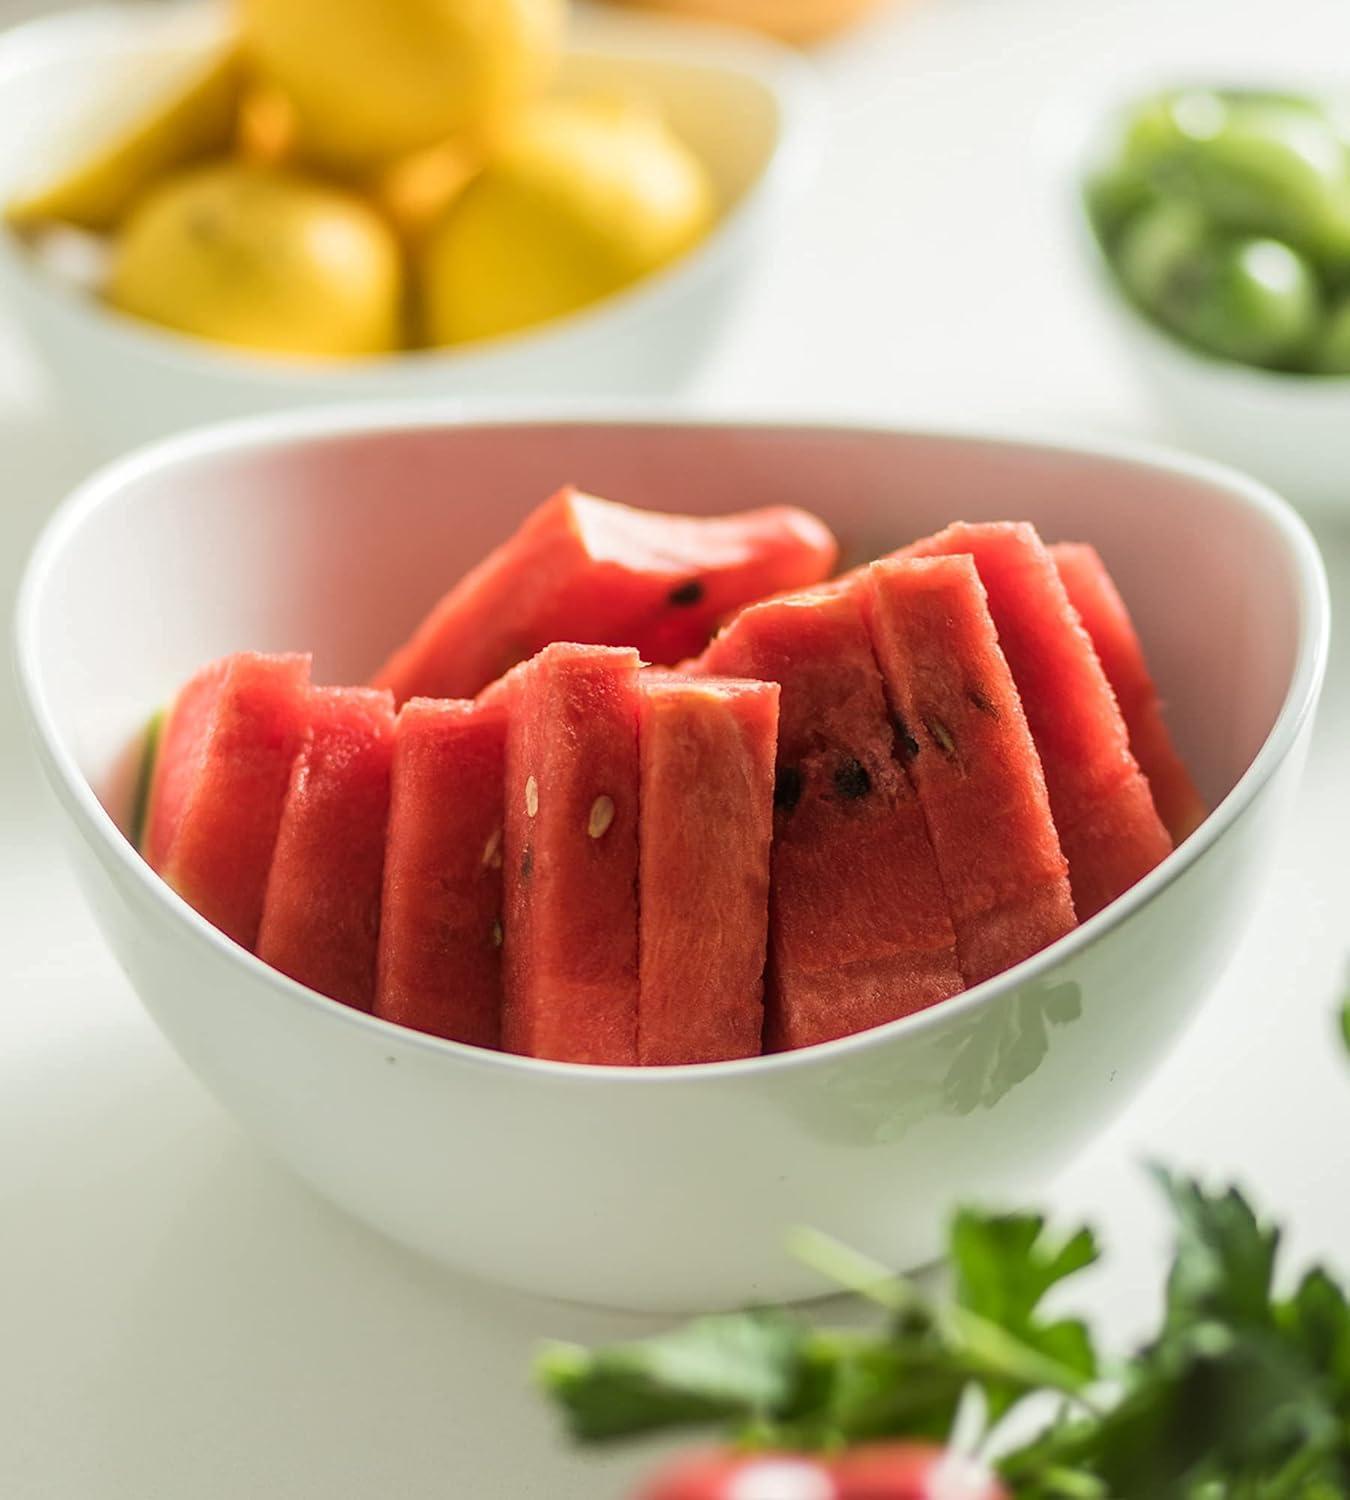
(747, 107)
(1291, 431)
(665, 1188)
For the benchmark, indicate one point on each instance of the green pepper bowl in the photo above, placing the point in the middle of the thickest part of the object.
(1289, 429)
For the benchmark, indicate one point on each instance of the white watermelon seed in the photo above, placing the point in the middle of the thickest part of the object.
(492, 850)
(602, 815)
(496, 934)
(531, 797)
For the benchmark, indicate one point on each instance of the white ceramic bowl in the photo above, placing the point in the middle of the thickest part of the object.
(666, 1188)
(747, 106)
(1292, 431)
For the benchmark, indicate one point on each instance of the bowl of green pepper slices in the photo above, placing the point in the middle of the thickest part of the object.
(1216, 221)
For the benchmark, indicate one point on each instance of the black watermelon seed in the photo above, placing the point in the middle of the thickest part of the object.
(787, 788)
(908, 745)
(686, 594)
(851, 779)
(982, 703)
(527, 862)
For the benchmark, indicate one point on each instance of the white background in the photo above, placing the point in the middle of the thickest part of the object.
(180, 1319)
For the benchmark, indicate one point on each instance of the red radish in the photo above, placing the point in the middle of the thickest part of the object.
(440, 930)
(971, 758)
(321, 916)
(912, 1471)
(588, 570)
(1108, 826)
(570, 879)
(706, 750)
(1093, 593)
(222, 769)
(883, 1471)
(739, 1476)
(860, 931)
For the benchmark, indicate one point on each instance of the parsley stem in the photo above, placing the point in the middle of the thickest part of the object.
(1072, 1484)
(1290, 1480)
(998, 1348)
(855, 1272)
(852, 1271)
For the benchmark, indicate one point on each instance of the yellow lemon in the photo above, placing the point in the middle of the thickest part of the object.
(579, 200)
(372, 80)
(190, 114)
(262, 258)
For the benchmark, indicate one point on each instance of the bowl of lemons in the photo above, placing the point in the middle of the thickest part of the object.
(214, 211)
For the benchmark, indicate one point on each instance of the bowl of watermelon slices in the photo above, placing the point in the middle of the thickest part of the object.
(584, 849)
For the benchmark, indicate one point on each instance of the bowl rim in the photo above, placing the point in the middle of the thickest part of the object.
(785, 74)
(1072, 130)
(256, 435)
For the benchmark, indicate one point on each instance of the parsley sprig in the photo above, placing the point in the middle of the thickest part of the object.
(1241, 1392)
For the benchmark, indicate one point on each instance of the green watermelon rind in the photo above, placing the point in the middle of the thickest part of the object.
(145, 777)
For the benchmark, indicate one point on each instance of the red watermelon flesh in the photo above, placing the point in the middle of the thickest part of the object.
(584, 569)
(1093, 593)
(501, 694)
(177, 756)
(971, 759)
(440, 932)
(220, 780)
(706, 750)
(570, 961)
(321, 915)
(1108, 826)
(859, 927)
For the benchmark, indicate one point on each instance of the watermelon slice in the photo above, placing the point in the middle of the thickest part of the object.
(571, 848)
(971, 759)
(1093, 594)
(583, 569)
(321, 915)
(441, 934)
(707, 776)
(173, 752)
(221, 774)
(859, 928)
(1108, 826)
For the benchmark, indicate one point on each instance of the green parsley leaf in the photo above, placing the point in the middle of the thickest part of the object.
(769, 1379)
(1316, 1320)
(1237, 1395)
(909, 1385)
(744, 1367)
(1201, 1414)
(1004, 1266)
(1225, 1259)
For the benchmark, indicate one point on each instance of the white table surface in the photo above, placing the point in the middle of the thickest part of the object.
(178, 1318)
